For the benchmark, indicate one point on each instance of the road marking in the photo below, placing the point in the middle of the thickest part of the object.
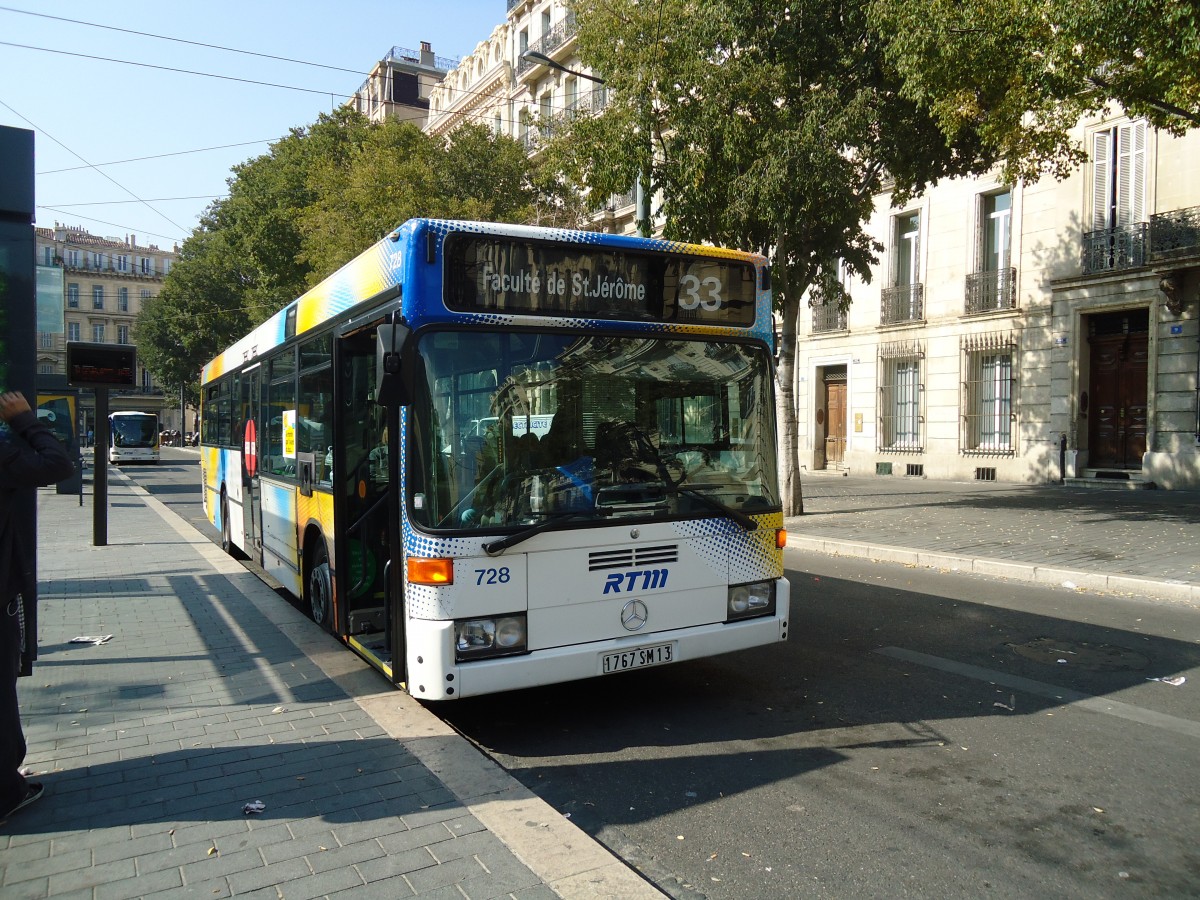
(1086, 701)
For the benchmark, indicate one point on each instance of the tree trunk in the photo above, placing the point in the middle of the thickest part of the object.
(785, 397)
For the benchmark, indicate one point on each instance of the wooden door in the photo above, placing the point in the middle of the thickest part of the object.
(1117, 423)
(835, 419)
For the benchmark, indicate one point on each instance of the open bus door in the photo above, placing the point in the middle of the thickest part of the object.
(252, 427)
(368, 582)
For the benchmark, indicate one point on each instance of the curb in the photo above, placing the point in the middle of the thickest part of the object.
(568, 860)
(995, 568)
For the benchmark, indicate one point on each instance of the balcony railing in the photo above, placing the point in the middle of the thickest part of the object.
(584, 105)
(446, 63)
(903, 303)
(549, 42)
(587, 103)
(990, 291)
(826, 318)
(1123, 247)
(1175, 233)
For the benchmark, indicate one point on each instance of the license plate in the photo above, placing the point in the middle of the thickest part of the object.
(637, 658)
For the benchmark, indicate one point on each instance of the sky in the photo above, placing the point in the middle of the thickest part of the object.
(90, 115)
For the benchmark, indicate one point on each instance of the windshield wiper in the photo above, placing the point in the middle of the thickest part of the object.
(736, 514)
(496, 547)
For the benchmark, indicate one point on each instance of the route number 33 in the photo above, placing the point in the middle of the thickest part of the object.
(704, 293)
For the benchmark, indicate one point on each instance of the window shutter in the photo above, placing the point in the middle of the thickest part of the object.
(1101, 180)
(1131, 173)
(916, 263)
(982, 251)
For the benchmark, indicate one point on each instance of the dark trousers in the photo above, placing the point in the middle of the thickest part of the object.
(12, 738)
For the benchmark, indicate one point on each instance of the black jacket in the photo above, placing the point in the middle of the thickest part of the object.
(30, 456)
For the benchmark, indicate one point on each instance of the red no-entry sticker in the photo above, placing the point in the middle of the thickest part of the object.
(250, 449)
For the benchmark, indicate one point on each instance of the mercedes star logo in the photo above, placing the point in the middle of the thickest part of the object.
(634, 615)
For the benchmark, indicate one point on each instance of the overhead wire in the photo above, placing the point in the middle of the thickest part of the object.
(75, 215)
(479, 115)
(102, 174)
(163, 37)
(117, 162)
(126, 62)
(150, 200)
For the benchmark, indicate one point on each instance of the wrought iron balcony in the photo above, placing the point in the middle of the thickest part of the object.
(549, 42)
(990, 291)
(1174, 234)
(826, 318)
(903, 303)
(587, 103)
(621, 201)
(583, 105)
(1123, 247)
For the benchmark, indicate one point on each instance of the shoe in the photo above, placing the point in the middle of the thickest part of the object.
(33, 792)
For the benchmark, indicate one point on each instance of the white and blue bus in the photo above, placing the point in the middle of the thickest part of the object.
(490, 456)
(133, 437)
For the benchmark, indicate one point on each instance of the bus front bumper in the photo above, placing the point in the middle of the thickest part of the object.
(443, 679)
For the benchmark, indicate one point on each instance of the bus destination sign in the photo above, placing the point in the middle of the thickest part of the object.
(525, 277)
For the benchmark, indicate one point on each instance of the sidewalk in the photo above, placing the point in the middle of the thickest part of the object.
(212, 693)
(1111, 539)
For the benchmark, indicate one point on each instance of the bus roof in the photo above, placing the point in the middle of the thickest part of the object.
(383, 265)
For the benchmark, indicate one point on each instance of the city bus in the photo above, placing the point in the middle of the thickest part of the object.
(488, 457)
(132, 437)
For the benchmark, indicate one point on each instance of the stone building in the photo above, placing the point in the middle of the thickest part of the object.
(98, 286)
(1022, 333)
(400, 84)
(524, 81)
(1026, 333)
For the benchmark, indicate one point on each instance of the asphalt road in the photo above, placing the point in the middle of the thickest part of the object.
(921, 734)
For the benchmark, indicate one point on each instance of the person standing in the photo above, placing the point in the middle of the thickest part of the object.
(30, 456)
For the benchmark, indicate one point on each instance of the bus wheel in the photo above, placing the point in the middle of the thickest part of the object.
(319, 586)
(226, 534)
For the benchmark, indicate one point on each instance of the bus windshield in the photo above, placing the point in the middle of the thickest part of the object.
(511, 429)
(134, 430)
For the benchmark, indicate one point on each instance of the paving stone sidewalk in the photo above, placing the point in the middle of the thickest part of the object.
(1135, 541)
(212, 693)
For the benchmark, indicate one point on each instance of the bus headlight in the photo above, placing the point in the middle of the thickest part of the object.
(749, 600)
(493, 636)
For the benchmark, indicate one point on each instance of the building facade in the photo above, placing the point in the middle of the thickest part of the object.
(525, 81)
(400, 84)
(1025, 333)
(99, 285)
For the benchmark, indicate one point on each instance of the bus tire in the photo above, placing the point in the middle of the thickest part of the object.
(318, 586)
(226, 534)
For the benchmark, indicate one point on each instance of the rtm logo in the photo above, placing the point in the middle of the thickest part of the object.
(651, 579)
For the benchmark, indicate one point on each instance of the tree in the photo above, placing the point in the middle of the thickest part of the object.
(245, 260)
(397, 172)
(766, 125)
(295, 214)
(1025, 72)
(198, 312)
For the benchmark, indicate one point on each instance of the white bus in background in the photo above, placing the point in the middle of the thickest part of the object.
(132, 437)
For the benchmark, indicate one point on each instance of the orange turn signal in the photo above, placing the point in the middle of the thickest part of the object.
(780, 538)
(430, 571)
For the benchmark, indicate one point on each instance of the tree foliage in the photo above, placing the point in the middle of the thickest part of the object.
(1024, 72)
(320, 196)
(398, 172)
(766, 125)
(771, 124)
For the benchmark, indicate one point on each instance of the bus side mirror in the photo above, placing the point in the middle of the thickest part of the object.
(391, 385)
